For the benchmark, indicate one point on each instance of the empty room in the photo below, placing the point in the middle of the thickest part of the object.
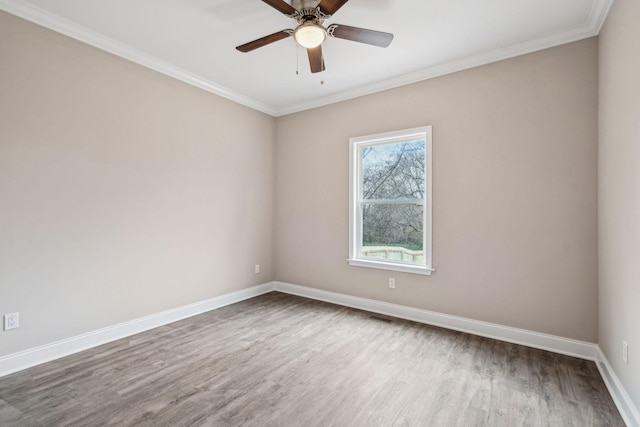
(320, 213)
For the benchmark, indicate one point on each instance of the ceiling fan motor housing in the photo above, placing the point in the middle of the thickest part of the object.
(305, 4)
(310, 15)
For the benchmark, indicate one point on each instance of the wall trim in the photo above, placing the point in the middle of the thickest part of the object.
(70, 29)
(446, 68)
(628, 410)
(556, 344)
(590, 28)
(553, 343)
(599, 12)
(35, 356)
(39, 16)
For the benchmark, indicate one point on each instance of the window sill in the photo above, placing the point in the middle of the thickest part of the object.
(391, 266)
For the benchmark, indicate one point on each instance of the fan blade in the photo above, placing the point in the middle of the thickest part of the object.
(362, 35)
(329, 7)
(281, 6)
(248, 47)
(316, 61)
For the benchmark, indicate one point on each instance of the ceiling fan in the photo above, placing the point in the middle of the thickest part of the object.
(310, 34)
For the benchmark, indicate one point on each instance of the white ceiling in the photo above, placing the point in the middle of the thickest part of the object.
(194, 41)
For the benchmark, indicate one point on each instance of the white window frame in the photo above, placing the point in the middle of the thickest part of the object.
(355, 199)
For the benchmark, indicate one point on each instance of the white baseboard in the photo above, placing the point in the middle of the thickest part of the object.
(622, 400)
(580, 349)
(570, 347)
(584, 350)
(46, 353)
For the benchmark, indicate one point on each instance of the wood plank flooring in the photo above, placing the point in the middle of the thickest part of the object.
(281, 360)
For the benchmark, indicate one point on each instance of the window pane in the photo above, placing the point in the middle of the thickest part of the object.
(393, 232)
(393, 171)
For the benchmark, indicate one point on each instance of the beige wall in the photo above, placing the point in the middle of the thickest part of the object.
(619, 192)
(122, 192)
(514, 211)
(125, 193)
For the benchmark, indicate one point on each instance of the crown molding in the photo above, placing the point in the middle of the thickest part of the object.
(592, 27)
(60, 25)
(599, 12)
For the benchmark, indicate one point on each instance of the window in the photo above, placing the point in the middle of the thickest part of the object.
(390, 201)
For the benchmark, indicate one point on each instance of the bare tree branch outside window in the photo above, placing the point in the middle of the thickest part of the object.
(393, 189)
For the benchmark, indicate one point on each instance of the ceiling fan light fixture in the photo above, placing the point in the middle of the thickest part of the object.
(310, 35)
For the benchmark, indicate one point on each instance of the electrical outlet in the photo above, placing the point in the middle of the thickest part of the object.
(257, 269)
(392, 283)
(625, 352)
(11, 321)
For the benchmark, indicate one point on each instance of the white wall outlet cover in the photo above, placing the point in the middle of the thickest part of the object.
(11, 321)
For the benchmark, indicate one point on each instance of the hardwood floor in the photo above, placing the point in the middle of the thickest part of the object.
(281, 360)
